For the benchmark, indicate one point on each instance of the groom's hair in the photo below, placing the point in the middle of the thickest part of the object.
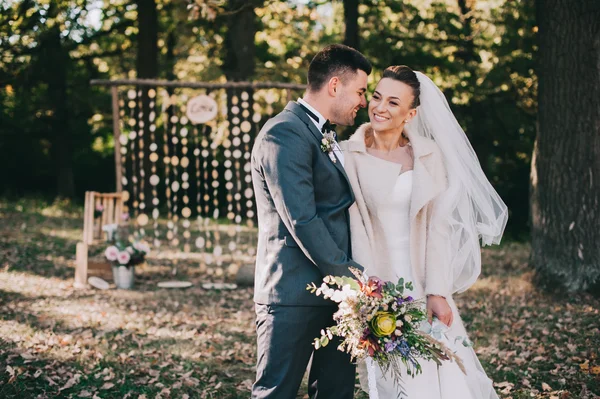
(335, 60)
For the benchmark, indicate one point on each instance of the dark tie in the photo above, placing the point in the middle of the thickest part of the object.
(327, 127)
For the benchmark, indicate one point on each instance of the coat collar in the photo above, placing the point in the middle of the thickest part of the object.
(422, 146)
(429, 181)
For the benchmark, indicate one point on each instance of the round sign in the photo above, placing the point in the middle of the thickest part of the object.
(201, 109)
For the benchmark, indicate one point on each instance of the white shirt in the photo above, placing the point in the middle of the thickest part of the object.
(319, 124)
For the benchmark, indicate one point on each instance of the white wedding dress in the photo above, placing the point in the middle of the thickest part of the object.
(390, 214)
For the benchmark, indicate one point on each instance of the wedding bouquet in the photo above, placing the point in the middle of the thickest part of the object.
(377, 320)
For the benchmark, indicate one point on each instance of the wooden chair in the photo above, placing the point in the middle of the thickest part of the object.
(92, 228)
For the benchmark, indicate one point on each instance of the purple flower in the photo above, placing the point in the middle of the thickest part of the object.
(403, 348)
(409, 299)
(390, 346)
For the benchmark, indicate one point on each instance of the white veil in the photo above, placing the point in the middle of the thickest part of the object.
(470, 206)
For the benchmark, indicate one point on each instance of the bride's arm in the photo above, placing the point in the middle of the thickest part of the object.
(438, 272)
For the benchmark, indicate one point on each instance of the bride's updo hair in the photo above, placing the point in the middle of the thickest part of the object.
(404, 74)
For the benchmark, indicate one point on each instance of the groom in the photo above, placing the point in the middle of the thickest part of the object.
(302, 197)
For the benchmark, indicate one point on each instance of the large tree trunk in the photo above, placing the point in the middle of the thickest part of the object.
(147, 54)
(351, 34)
(55, 60)
(240, 49)
(147, 68)
(565, 174)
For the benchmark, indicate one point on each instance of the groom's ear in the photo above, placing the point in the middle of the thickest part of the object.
(333, 86)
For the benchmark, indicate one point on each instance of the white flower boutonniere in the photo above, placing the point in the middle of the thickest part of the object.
(327, 144)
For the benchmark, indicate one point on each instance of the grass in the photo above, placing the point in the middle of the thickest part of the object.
(58, 342)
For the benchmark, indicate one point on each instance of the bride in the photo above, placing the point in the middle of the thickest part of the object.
(422, 205)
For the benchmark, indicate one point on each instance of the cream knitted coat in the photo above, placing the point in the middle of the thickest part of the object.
(428, 242)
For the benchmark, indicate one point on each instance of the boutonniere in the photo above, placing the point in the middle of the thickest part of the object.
(327, 144)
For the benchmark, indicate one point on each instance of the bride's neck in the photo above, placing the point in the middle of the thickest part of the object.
(388, 140)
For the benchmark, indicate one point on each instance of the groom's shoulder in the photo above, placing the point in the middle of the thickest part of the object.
(285, 121)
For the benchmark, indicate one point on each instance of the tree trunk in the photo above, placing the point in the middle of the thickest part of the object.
(351, 35)
(565, 174)
(55, 60)
(238, 66)
(147, 50)
(147, 68)
(240, 49)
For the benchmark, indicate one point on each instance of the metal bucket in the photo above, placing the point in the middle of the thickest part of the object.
(123, 276)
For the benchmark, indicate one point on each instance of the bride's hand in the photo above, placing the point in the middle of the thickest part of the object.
(438, 306)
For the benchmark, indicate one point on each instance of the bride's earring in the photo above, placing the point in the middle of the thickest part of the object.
(406, 121)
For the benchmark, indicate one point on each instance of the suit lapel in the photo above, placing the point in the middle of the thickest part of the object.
(299, 112)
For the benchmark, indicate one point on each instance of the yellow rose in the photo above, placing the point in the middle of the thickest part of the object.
(383, 324)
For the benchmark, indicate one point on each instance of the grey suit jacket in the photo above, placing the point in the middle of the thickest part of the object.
(302, 199)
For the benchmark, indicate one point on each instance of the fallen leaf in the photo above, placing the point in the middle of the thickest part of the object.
(546, 387)
(71, 382)
(585, 366)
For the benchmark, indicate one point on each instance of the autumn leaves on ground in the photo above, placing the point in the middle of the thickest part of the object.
(56, 341)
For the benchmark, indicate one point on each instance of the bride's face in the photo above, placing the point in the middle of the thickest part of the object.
(391, 105)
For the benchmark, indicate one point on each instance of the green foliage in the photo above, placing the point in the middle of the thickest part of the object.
(481, 55)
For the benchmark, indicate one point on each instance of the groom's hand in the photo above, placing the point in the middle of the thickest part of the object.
(438, 306)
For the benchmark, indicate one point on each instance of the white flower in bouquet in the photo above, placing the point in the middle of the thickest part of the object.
(111, 253)
(130, 250)
(344, 294)
(123, 258)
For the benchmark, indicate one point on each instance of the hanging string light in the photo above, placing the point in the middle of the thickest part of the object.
(215, 153)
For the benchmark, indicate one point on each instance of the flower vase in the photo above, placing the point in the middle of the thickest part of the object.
(124, 276)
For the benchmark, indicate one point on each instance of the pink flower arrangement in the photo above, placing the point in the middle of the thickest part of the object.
(129, 255)
(123, 258)
(111, 253)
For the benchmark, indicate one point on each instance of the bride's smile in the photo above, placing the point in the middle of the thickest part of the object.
(391, 106)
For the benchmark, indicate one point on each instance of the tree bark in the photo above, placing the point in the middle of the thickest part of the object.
(351, 34)
(240, 49)
(147, 68)
(147, 49)
(565, 174)
(54, 61)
